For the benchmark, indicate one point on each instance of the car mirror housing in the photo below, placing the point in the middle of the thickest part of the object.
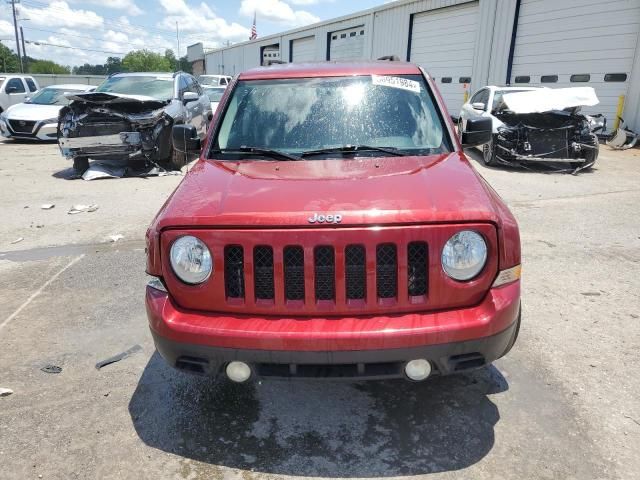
(477, 132)
(185, 139)
(478, 106)
(190, 97)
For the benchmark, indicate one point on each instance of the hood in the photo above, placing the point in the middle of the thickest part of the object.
(364, 191)
(109, 98)
(548, 99)
(33, 111)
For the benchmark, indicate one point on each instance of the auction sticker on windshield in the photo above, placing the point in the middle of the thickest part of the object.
(396, 82)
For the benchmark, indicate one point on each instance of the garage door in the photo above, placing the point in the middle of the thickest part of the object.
(303, 49)
(577, 43)
(443, 42)
(347, 44)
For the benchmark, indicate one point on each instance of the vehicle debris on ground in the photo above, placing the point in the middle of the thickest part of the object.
(75, 209)
(47, 206)
(5, 392)
(545, 125)
(121, 356)
(623, 138)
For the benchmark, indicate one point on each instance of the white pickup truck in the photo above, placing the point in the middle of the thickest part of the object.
(15, 88)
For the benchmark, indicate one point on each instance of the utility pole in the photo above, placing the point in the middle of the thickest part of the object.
(178, 38)
(24, 49)
(15, 29)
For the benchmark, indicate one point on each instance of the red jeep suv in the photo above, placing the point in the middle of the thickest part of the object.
(333, 227)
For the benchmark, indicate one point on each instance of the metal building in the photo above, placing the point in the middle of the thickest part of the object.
(467, 44)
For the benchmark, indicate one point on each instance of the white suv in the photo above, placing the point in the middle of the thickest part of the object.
(15, 88)
(215, 80)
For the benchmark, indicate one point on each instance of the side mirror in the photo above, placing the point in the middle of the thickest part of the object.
(477, 132)
(478, 106)
(185, 139)
(27, 99)
(189, 97)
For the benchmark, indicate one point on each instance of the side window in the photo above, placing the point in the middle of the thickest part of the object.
(223, 81)
(192, 86)
(481, 96)
(15, 83)
(182, 86)
(31, 84)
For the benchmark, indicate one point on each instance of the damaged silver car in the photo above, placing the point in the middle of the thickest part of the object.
(129, 118)
(537, 125)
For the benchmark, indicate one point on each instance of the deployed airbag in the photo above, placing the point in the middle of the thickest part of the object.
(547, 99)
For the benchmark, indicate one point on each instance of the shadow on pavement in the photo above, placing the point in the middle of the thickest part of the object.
(319, 428)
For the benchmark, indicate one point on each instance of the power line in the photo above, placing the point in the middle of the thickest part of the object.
(115, 21)
(158, 47)
(38, 42)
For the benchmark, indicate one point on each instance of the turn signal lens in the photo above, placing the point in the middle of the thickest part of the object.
(508, 276)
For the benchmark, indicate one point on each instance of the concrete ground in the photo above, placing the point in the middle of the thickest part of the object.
(563, 404)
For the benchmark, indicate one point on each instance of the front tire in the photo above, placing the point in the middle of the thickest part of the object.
(489, 152)
(176, 159)
(80, 165)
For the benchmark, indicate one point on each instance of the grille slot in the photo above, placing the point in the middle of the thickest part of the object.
(263, 276)
(417, 268)
(386, 270)
(293, 258)
(22, 126)
(234, 271)
(325, 273)
(355, 260)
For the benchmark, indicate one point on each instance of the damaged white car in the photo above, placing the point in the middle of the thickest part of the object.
(537, 125)
(129, 118)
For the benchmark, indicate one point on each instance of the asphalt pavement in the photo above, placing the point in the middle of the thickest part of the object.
(563, 404)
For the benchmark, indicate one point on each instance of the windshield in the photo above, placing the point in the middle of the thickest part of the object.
(215, 94)
(52, 96)
(160, 88)
(310, 114)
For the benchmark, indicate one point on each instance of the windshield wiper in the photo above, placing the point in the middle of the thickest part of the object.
(354, 149)
(267, 152)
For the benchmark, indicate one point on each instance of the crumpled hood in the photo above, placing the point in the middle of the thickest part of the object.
(364, 191)
(109, 98)
(548, 99)
(33, 112)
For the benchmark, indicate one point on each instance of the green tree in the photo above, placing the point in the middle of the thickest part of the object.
(46, 66)
(171, 57)
(185, 65)
(8, 60)
(114, 65)
(146, 61)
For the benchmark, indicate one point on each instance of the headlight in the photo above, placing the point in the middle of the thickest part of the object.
(191, 260)
(464, 255)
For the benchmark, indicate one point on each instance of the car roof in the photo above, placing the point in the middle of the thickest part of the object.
(73, 86)
(145, 74)
(330, 69)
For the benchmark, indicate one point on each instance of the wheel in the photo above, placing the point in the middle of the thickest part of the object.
(489, 152)
(80, 165)
(176, 159)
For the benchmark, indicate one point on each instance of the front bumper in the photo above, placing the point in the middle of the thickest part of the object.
(369, 347)
(41, 131)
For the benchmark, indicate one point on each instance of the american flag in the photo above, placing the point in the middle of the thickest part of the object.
(254, 32)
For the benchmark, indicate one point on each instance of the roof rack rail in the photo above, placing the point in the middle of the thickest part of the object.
(391, 58)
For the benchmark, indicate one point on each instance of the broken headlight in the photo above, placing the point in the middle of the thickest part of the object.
(464, 255)
(191, 260)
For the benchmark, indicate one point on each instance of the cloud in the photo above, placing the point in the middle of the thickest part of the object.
(277, 11)
(310, 2)
(198, 21)
(59, 14)
(129, 6)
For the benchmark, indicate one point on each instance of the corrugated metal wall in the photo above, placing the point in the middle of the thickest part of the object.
(387, 32)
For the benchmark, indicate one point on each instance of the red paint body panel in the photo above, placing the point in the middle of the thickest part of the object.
(387, 199)
(498, 310)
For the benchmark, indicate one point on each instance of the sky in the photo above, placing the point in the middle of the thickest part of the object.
(89, 31)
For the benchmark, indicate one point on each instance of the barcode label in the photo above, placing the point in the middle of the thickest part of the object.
(396, 82)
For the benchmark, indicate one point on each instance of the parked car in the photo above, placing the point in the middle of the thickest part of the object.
(37, 117)
(535, 124)
(15, 88)
(333, 227)
(129, 118)
(215, 95)
(215, 80)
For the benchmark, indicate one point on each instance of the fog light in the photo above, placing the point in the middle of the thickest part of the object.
(238, 372)
(418, 369)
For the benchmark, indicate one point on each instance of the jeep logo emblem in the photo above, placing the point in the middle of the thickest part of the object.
(315, 218)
